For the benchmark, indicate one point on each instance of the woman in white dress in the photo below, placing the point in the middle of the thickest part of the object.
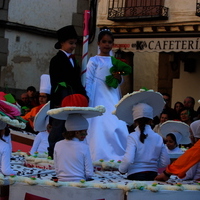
(106, 134)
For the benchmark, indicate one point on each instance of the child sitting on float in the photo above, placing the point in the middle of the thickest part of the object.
(9, 115)
(72, 160)
(145, 151)
(42, 126)
(175, 133)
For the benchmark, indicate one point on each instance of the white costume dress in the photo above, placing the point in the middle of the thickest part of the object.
(156, 129)
(176, 150)
(106, 134)
(193, 173)
(147, 156)
(40, 143)
(5, 167)
(72, 160)
(8, 140)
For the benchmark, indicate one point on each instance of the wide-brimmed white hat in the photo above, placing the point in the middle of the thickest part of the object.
(76, 116)
(10, 114)
(87, 112)
(41, 119)
(124, 109)
(195, 127)
(178, 128)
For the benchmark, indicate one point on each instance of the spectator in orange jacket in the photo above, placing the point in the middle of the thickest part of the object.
(44, 97)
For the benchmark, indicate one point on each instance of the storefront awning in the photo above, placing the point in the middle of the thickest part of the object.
(158, 44)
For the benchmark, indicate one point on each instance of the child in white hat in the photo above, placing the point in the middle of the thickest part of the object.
(72, 160)
(9, 115)
(175, 133)
(5, 167)
(41, 124)
(145, 151)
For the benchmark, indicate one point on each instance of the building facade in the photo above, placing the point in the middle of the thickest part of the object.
(27, 38)
(163, 37)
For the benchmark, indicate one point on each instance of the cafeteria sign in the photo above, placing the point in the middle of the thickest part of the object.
(158, 44)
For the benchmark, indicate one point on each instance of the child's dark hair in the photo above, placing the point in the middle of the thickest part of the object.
(105, 31)
(187, 109)
(31, 88)
(173, 137)
(7, 131)
(164, 113)
(178, 102)
(1, 135)
(142, 123)
(69, 135)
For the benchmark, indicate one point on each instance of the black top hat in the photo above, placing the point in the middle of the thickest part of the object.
(65, 33)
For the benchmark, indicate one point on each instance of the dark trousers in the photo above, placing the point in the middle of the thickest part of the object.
(56, 134)
(143, 176)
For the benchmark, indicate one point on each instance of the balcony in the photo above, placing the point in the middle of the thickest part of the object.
(126, 10)
(198, 9)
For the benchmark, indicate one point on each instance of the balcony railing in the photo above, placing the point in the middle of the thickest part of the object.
(138, 12)
(2, 4)
(198, 9)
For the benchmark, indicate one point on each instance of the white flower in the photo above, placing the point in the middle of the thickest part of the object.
(126, 188)
(171, 187)
(101, 109)
(31, 181)
(1, 182)
(139, 184)
(13, 122)
(12, 181)
(19, 178)
(76, 184)
(42, 155)
(1, 176)
(103, 185)
(191, 187)
(153, 188)
(48, 182)
(142, 90)
(56, 184)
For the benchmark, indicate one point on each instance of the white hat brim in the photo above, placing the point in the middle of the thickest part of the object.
(87, 112)
(40, 118)
(176, 126)
(13, 122)
(124, 107)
